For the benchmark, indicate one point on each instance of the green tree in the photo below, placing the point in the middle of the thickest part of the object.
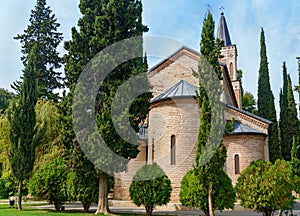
(24, 139)
(82, 181)
(5, 97)
(265, 100)
(265, 187)
(289, 123)
(150, 187)
(7, 182)
(249, 103)
(42, 32)
(286, 145)
(210, 50)
(193, 192)
(104, 23)
(49, 182)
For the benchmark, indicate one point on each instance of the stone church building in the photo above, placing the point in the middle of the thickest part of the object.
(169, 138)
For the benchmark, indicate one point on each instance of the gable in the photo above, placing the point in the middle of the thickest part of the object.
(179, 66)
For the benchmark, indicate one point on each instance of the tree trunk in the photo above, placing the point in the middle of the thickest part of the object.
(102, 199)
(20, 195)
(149, 210)
(210, 202)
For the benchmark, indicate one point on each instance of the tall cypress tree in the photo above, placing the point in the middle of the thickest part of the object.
(23, 133)
(210, 50)
(42, 31)
(292, 111)
(284, 121)
(265, 100)
(103, 23)
(289, 124)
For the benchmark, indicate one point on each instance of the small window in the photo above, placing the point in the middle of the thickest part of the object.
(236, 164)
(231, 71)
(153, 149)
(173, 150)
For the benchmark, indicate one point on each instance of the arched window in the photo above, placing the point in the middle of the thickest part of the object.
(231, 70)
(173, 150)
(236, 164)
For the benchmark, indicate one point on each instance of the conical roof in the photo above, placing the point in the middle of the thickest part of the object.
(180, 89)
(223, 33)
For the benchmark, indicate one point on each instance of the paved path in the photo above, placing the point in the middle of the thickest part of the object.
(136, 210)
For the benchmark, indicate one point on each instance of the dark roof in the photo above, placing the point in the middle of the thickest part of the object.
(180, 89)
(249, 114)
(223, 33)
(240, 128)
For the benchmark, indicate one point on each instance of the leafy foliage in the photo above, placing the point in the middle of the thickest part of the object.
(266, 187)
(5, 97)
(42, 33)
(265, 100)
(193, 192)
(83, 180)
(249, 103)
(49, 182)
(150, 187)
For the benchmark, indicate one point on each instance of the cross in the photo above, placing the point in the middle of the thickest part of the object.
(222, 9)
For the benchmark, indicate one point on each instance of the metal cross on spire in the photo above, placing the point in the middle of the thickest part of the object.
(222, 10)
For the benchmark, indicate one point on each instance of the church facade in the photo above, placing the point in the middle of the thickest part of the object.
(170, 136)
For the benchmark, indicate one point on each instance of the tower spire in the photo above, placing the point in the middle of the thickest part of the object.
(223, 33)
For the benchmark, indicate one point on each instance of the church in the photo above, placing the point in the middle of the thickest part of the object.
(170, 136)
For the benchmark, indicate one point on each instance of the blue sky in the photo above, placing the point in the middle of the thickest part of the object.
(181, 20)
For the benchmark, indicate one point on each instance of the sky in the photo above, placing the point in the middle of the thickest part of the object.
(181, 20)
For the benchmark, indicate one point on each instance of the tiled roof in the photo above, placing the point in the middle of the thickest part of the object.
(249, 114)
(181, 89)
(240, 128)
(223, 33)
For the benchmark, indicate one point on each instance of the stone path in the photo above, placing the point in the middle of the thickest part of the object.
(135, 210)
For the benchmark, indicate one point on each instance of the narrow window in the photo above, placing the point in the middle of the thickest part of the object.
(147, 149)
(236, 164)
(153, 149)
(231, 70)
(126, 168)
(173, 150)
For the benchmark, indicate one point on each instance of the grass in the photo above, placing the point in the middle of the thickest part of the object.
(28, 211)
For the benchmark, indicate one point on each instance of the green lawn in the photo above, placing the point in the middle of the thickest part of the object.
(28, 211)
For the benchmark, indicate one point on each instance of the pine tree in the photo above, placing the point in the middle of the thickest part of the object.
(42, 31)
(210, 50)
(265, 100)
(23, 133)
(103, 23)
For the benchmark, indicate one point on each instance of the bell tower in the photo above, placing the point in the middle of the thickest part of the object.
(229, 57)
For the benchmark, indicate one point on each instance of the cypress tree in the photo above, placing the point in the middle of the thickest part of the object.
(289, 124)
(103, 23)
(265, 101)
(210, 50)
(42, 31)
(284, 121)
(23, 133)
(292, 112)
